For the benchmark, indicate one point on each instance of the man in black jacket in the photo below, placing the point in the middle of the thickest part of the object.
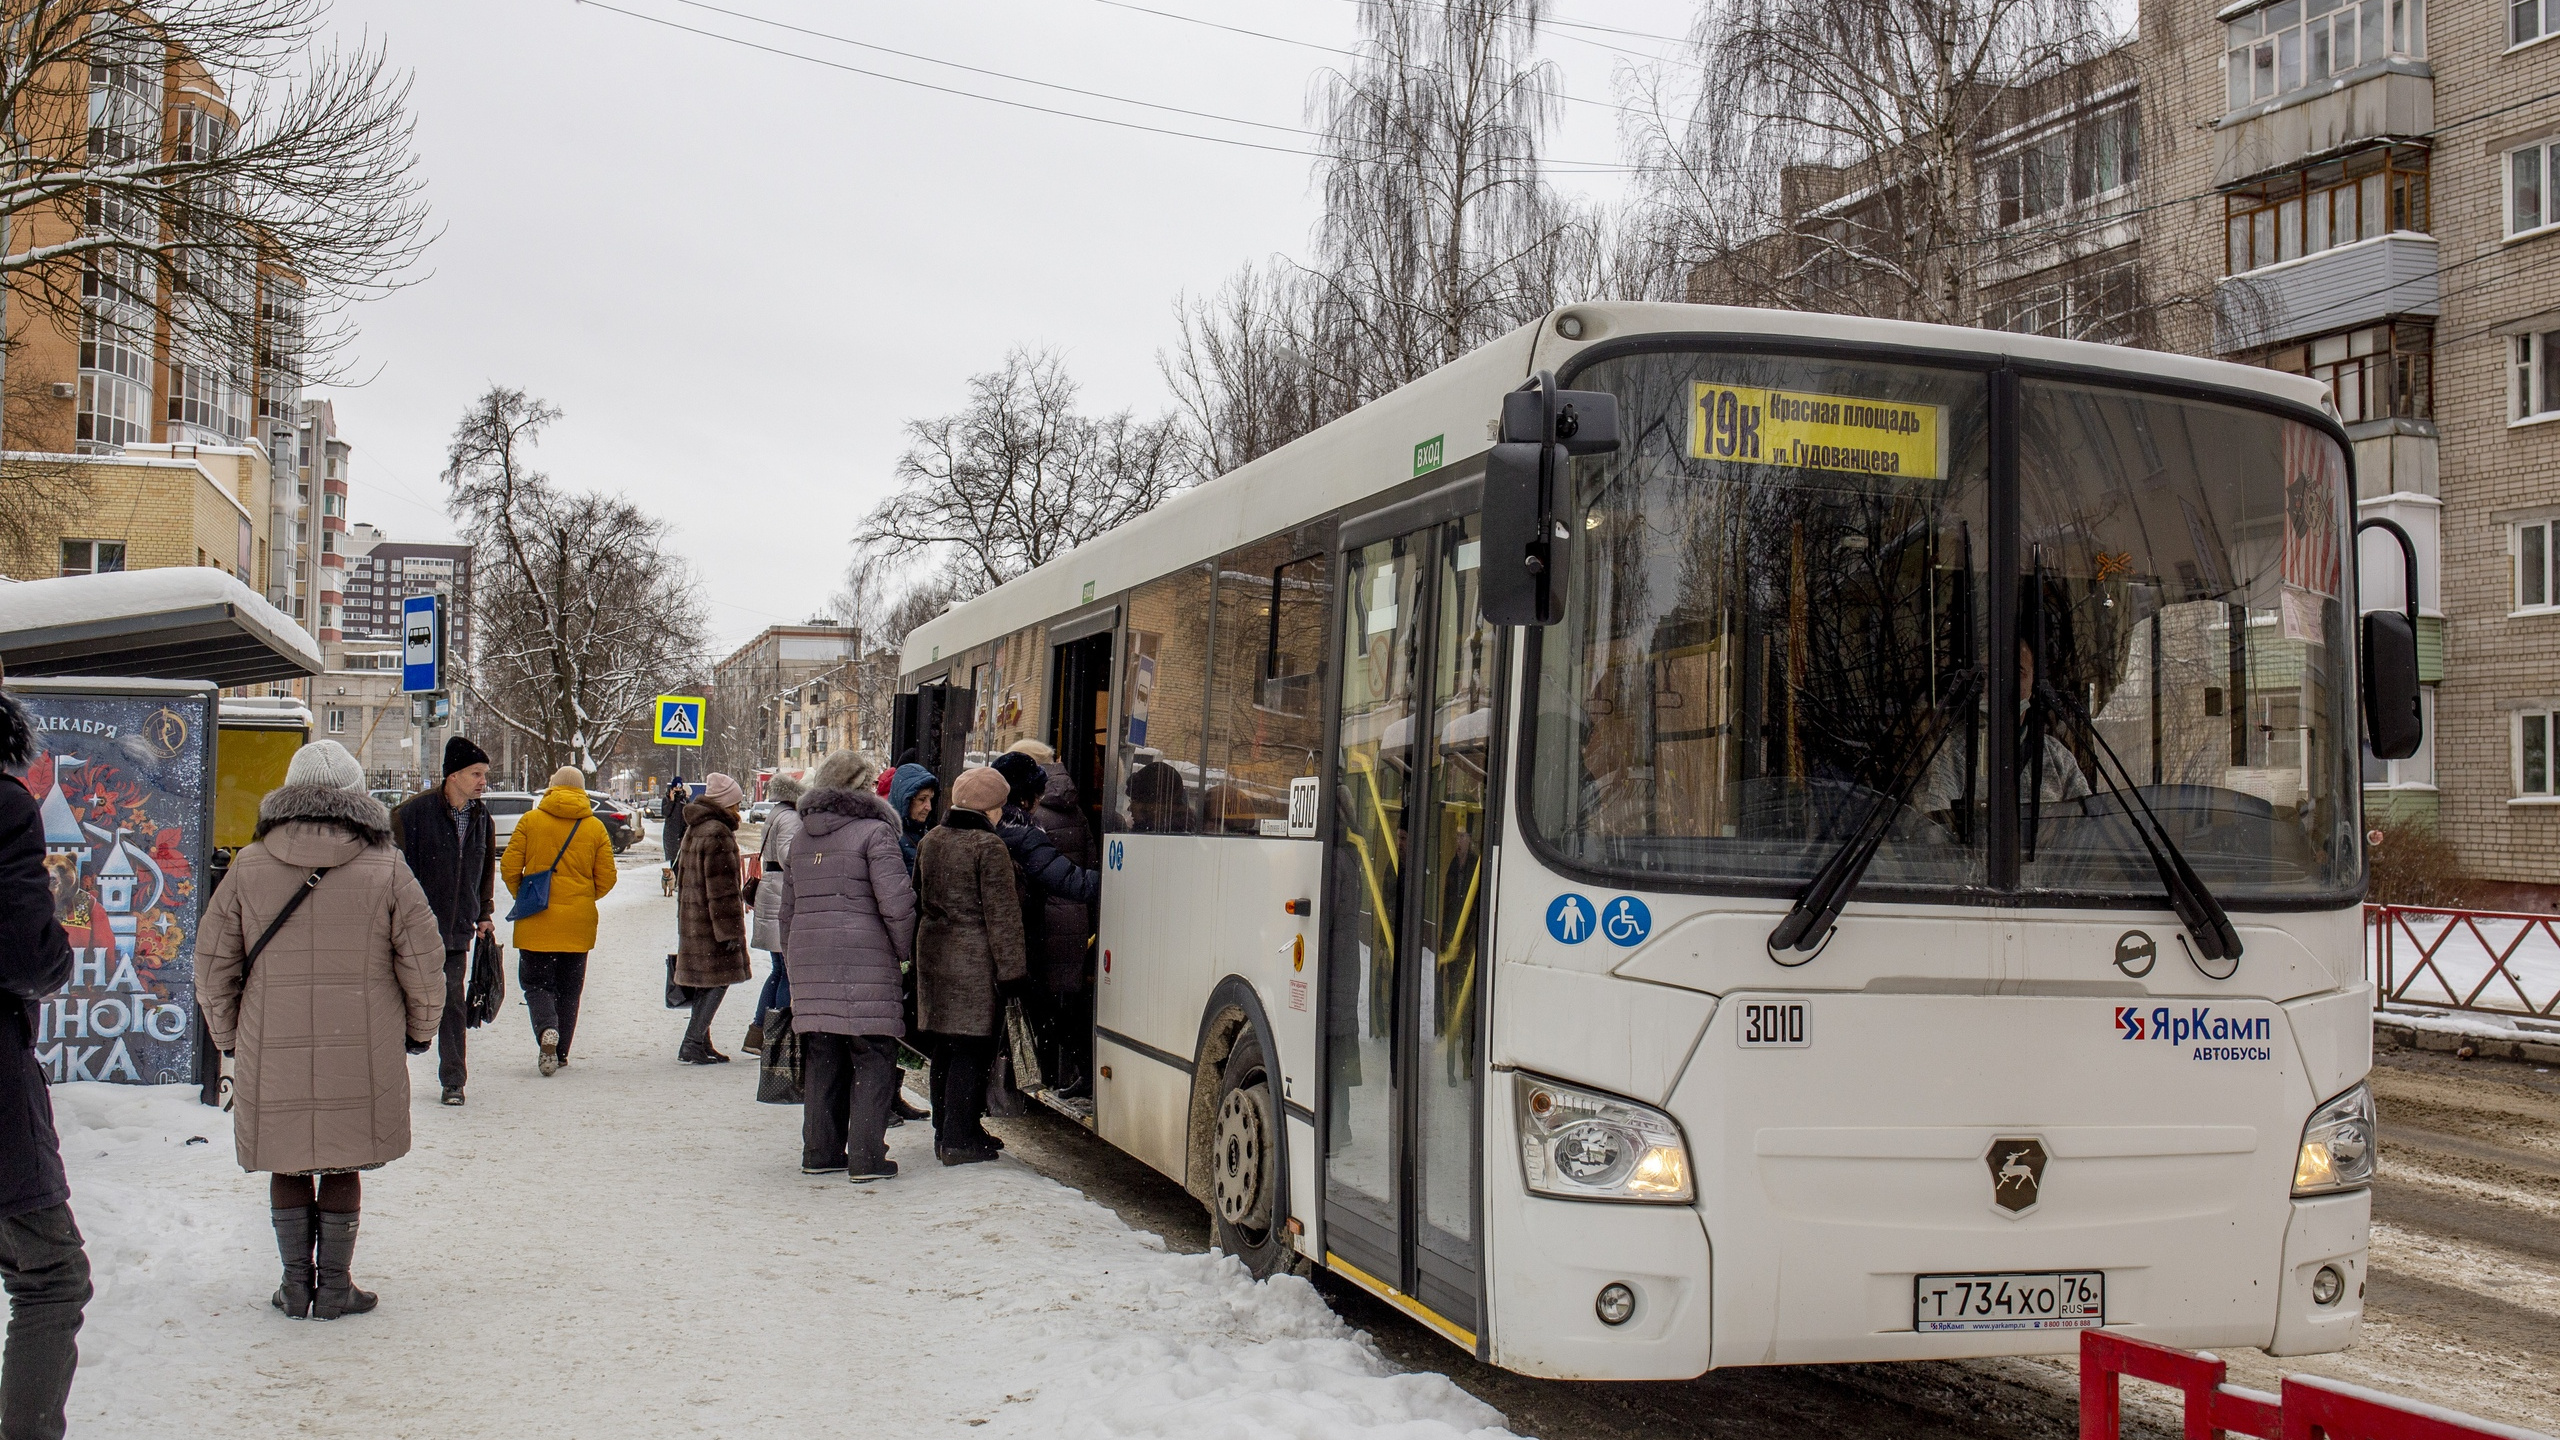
(452, 847)
(41, 1258)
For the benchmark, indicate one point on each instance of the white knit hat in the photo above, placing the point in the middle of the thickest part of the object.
(325, 762)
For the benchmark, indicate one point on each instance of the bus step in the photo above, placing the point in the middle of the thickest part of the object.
(1078, 1108)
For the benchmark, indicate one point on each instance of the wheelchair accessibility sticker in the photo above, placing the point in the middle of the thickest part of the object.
(1625, 920)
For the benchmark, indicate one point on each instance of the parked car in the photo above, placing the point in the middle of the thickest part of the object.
(655, 809)
(506, 807)
(620, 825)
(757, 812)
(391, 798)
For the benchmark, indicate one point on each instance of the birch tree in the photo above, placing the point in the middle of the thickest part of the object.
(1019, 476)
(580, 616)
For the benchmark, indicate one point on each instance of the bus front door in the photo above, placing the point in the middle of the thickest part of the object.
(1403, 996)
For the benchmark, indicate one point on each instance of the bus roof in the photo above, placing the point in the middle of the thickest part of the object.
(1374, 449)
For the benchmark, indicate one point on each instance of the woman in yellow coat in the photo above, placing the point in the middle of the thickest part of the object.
(562, 833)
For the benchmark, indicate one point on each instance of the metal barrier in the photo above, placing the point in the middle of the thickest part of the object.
(2309, 1409)
(2425, 955)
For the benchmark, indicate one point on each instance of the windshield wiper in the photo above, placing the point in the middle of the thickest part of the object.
(1808, 922)
(2195, 905)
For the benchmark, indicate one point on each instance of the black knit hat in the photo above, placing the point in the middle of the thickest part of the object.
(1022, 775)
(461, 754)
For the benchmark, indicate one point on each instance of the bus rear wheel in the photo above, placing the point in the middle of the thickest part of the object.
(1245, 1179)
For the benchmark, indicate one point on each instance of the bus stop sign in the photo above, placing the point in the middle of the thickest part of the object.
(421, 643)
(679, 720)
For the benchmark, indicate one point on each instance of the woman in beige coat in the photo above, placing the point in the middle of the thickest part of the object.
(351, 983)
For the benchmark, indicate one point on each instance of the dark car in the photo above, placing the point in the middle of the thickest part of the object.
(621, 825)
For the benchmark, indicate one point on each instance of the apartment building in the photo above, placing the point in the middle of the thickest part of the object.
(771, 696)
(383, 573)
(2374, 181)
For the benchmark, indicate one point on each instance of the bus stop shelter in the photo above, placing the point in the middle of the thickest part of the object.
(173, 624)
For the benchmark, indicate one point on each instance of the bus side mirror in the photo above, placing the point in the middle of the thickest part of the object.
(1524, 544)
(1527, 537)
(2387, 649)
(2393, 724)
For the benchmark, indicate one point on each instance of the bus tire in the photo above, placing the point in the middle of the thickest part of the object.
(1245, 1179)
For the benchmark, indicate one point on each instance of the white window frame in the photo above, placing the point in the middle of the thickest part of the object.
(2541, 722)
(337, 720)
(2548, 15)
(2523, 537)
(2533, 369)
(2251, 50)
(2545, 151)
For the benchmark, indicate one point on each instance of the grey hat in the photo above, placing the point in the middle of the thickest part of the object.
(325, 762)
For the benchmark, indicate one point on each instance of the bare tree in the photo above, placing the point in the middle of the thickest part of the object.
(1828, 156)
(211, 167)
(1435, 216)
(1019, 477)
(581, 615)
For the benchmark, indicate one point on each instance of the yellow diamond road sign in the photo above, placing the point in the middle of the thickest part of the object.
(679, 720)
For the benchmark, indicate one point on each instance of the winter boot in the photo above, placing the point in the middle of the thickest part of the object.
(754, 1043)
(864, 1172)
(336, 1294)
(899, 1109)
(294, 1234)
(550, 1052)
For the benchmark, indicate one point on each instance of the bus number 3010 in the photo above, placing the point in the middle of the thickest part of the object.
(1773, 1025)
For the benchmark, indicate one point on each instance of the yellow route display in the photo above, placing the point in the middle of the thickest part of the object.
(1821, 432)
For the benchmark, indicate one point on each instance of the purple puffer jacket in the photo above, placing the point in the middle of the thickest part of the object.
(848, 916)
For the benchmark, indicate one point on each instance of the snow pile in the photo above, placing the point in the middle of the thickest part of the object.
(629, 1250)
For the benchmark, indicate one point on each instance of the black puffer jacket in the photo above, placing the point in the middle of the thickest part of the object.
(1066, 923)
(35, 961)
(1057, 894)
(459, 873)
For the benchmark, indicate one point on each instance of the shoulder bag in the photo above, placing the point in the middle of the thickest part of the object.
(533, 888)
(301, 892)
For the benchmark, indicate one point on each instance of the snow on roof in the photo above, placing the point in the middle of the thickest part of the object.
(187, 622)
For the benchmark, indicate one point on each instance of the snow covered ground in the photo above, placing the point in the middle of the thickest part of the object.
(629, 1249)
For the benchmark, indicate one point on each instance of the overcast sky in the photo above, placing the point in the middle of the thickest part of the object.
(738, 272)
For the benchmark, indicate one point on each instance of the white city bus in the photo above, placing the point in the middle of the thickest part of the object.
(1709, 977)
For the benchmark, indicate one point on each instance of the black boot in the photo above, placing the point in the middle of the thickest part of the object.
(294, 1234)
(336, 1293)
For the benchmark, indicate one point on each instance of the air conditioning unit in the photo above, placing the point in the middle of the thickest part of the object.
(64, 389)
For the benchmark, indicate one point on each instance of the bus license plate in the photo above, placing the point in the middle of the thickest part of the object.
(2048, 1300)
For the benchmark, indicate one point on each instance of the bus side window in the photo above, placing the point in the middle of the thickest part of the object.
(1157, 757)
(1266, 719)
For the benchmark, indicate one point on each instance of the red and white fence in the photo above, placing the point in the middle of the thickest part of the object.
(2309, 1408)
(2495, 961)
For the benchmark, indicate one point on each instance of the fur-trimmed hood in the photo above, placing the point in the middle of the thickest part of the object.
(17, 734)
(823, 812)
(352, 811)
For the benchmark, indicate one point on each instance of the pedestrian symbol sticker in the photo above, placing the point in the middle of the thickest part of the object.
(1628, 921)
(679, 720)
(1569, 919)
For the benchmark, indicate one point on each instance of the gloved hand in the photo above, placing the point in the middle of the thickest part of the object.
(416, 1047)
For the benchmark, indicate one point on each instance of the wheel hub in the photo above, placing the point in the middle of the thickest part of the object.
(1241, 1154)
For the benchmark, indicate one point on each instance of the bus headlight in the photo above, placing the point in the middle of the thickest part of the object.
(2337, 1146)
(1578, 1144)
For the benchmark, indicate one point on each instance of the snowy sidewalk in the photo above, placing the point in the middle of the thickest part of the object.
(629, 1249)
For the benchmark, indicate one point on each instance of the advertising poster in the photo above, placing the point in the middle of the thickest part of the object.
(121, 780)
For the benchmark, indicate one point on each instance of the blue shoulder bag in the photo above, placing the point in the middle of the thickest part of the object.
(533, 888)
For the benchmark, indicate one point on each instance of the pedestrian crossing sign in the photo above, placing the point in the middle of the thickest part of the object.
(679, 720)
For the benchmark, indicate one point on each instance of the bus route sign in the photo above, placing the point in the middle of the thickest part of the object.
(1817, 432)
(679, 720)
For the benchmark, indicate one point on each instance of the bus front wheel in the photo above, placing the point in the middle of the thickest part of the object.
(1245, 1181)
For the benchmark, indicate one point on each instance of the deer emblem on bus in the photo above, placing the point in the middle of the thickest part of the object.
(2017, 1174)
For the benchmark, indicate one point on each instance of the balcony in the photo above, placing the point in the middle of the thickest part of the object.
(2336, 289)
(2392, 99)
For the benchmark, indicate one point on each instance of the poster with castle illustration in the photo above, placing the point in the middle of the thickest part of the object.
(123, 782)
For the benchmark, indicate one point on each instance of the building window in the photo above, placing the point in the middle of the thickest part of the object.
(337, 721)
(2535, 738)
(2537, 588)
(2531, 20)
(2374, 373)
(2537, 373)
(2356, 197)
(2092, 156)
(2533, 186)
(92, 557)
(2101, 305)
(333, 504)
(2276, 51)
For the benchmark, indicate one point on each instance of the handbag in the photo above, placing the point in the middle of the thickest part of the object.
(778, 1079)
(533, 889)
(678, 996)
(1026, 1060)
(488, 988)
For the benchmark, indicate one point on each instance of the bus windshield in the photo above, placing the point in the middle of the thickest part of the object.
(1781, 620)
